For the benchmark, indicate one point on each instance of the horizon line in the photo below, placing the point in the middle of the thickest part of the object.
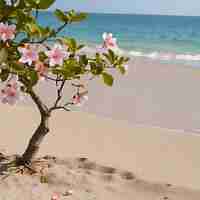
(121, 13)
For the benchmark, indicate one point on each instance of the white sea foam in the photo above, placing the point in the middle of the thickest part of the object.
(188, 57)
(166, 56)
(136, 53)
(155, 55)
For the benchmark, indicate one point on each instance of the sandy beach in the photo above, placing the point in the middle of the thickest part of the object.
(162, 163)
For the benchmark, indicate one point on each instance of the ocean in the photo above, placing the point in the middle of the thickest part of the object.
(165, 38)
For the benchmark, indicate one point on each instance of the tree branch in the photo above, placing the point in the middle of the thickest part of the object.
(59, 108)
(51, 35)
(59, 97)
(36, 13)
(64, 107)
(56, 33)
(52, 79)
(59, 93)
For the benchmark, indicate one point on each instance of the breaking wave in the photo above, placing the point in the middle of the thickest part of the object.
(166, 56)
(155, 55)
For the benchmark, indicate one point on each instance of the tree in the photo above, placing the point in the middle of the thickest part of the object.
(30, 52)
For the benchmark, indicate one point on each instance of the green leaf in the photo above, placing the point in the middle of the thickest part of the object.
(96, 69)
(61, 15)
(46, 32)
(122, 69)
(33, 29)
(33, 77)
(17, 67)
(2, 3)
(44, 4)
(4, 74)
(80, 46)
(29, 74)
(44, 179)
(31, 3)
(70, 16)
(42, 56)
(71, 43)
(79, 17)
(5, 12)
(40, 4)
(21, 4)
(107, 56)
(120, 61)
(126, 59)
(3, 55)
(107, 78)
(111, 55)
(83, 60)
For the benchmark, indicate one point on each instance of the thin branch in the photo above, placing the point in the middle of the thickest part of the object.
(59, 93)
(69, 103)
(59, 97)
(61, 28)
(53, 34)
(52, 79)
(36, 13)
(56, 33)
(64, 107)
(59, 108)
(78, 85)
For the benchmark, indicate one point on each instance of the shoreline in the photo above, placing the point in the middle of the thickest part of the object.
(163, 57)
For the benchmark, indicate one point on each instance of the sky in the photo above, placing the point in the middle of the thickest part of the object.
(164, 7)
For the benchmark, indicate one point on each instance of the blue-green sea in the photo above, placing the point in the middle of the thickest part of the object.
(167, 38)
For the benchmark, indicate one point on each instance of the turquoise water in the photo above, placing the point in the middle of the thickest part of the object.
(153, 36)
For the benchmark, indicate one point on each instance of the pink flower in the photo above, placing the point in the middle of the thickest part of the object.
(7, 32)
(41, 69)
(109, 41)
(56, 55)
(29, 54)
(80, 99)
(11, 93)
(55, 196)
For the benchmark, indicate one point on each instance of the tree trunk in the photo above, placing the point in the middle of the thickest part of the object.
(36, 140)
(42, 130)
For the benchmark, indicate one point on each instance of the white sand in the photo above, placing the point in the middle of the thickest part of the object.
(153, 155)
